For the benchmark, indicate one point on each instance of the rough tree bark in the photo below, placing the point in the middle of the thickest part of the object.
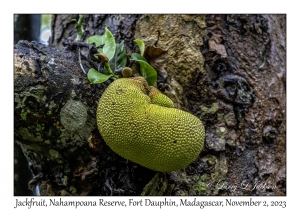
(228, 70)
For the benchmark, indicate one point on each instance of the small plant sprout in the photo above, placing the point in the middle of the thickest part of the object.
(114, 58)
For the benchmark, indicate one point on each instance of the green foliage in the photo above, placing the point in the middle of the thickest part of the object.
(120, 58)
(135, 57)
(96, 77)
(79, 27)
(109, 42)
(117, 59)
(146, 70)
(141, 45)
(46, 22)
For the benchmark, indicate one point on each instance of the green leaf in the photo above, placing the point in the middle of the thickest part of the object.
(96, 77)
(108, 40)
(120, 58)
(141, 45)
(148, 72)
(136, 57)
(97, 39)
(79, 28)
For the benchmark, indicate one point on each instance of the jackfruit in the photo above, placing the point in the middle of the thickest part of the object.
(141, 124)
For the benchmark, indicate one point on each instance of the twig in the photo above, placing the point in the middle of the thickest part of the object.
(79, 55)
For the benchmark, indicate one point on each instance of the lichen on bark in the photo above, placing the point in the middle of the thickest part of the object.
(179, 37)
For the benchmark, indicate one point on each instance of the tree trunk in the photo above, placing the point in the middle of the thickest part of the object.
(26, 27)
(228, 70)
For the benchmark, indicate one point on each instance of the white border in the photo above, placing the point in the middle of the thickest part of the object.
(154, 6)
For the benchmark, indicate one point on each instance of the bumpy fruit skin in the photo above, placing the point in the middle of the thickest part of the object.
(140, 124)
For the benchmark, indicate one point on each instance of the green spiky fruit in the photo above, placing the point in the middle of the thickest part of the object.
(140, 124)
